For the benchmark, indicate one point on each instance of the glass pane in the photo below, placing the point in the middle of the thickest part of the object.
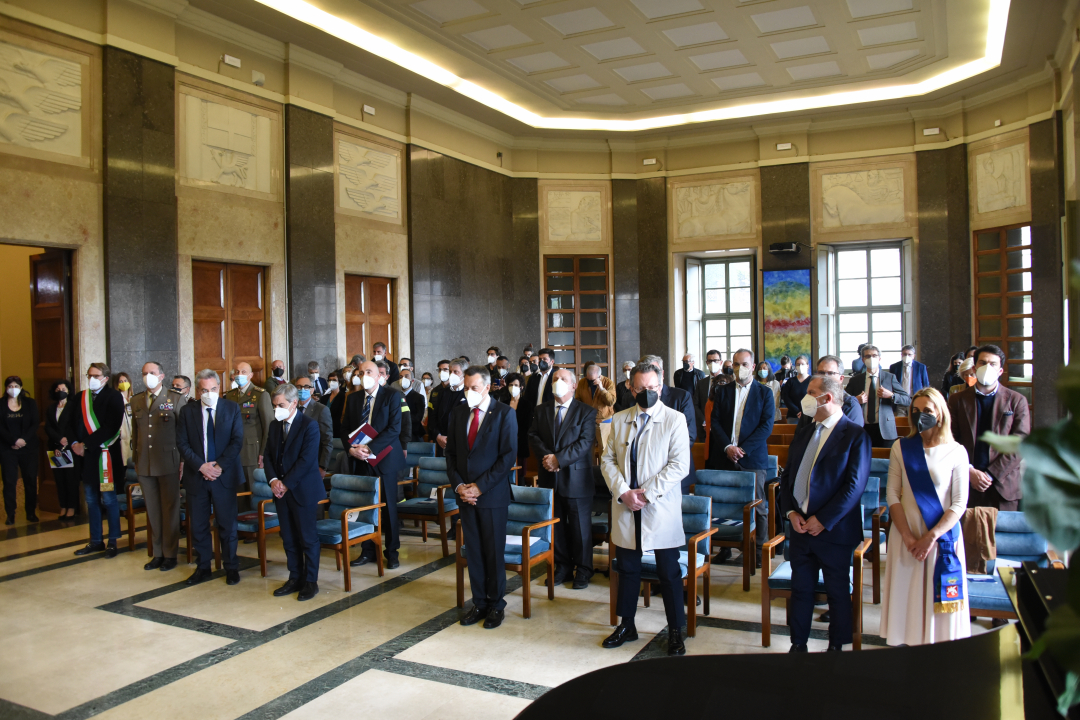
(889, 357)
(693, 295)
(990, 306)
(740, 327)
(1018, 259)
(1020, 305)
(1020, 327)
(587, 265)
(740, 300)
(850, 342)
(715, 302)
(594, 302)
(714, 275)
(592, 282)
(989, 328)
(560, 302)
(888, 342)
(885, 262)
(716, 327)
(598, 356)
(1020, 350)
(560, 265)
(851, 264)
(1019, 371)
(1019, 282)
(989, 241)
(1024, 390)
(887, 322)
(1018, 236)
(886, 291)
(740, 274)
(989, 263)
(594, 337)
(555, 284)
(593, 319)
(740, 342)
(557, 320)
(716, 343)
(556, 339)
(852, 293)
(990, 284)
(854, 322)
(564, 357)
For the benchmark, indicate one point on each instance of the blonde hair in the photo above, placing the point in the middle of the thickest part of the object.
(944, 426)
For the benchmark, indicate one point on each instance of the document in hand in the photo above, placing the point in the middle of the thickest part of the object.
(363, 435)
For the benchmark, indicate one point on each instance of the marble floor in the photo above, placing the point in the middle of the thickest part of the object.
(102, 637)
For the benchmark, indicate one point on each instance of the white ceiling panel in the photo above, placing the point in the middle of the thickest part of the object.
(869, 8)
(739, 82)
(666, 92)
(887, 60)
(539, 62)
(611, 99)
(800, 48)
(573, 83)
(719, 60)
(444, 11)
(814, 71)
(611, 49)
(696, 34)
(898, 32)
(784, 19)
(654, 9)
(579, 21)
(498, 37)
(648, 71)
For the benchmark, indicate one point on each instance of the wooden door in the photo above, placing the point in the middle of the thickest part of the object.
(247, 318)
(50, 321)
(369, 314)
(576, 310)
(209, 315)
(229, 317)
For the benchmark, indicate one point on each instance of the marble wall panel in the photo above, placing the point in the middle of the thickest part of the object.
(625, 264)
(654, 315)
(785, 214)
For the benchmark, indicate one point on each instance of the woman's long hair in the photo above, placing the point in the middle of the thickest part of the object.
(16, 379)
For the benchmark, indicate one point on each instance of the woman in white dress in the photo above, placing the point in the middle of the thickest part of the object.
(908, 613)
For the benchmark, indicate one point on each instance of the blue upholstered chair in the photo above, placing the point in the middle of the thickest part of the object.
(879, 468)
(733, 514)
(336, 449)
(777, 583)
(415, 451)
(261, 521)
(214, 536)
(357, 496)
(694, 562)
(434, 501)
(130, 499)
(873, 509)
(1016, 542)
(531, 513)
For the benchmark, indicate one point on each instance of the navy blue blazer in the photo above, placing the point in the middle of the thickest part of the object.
(678, 399)
(493, 454)
(919, 377)
(386, 419)
(759, 412)
(228, 439)
(297, 464)
(836, 482)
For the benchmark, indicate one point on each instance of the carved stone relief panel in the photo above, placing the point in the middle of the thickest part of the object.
(999, 182)
(866, 197)
(575, 211)
(704, 210)
(369, 180)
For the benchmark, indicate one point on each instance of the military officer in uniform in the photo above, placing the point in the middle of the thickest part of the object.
(256, 412)
(153, 443)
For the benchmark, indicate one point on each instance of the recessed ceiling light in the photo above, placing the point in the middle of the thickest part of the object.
(784, 19)
(882, 34)
(738, 82)
(814, 71)
(798, 48)
(498, 37)
(611, 49)
(666, 92)
(648, 71)
(573, 83)
(538, 62)
(654, 9)
(579, 21)
(718, 60)
(696, 34)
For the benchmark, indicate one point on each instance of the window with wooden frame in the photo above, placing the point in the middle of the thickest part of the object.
(1003, 310)
(720, 306)
(577, 317)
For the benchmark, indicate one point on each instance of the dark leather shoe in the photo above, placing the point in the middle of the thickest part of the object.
(621, 635)
(561, 576)
(10, 520)
(31, 517)
(494, 619)
(474, 616)
(824, 617)
(199, 576)
(232, 577)
(168, 564)
(581, 580)
(360, 561)
(393, 564)
(90, 549)
(723, 556)
(310, 590)
(288, 588)
(798, 649)
(110, 551)
(676, 645)
(154, 564)
(834, 648)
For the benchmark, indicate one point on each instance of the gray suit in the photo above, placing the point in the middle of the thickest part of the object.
(321, 414)
(157, 462)
(882, 429)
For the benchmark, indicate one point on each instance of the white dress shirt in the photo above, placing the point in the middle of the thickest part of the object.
(540, 388)
(741, 393)
(827, 426)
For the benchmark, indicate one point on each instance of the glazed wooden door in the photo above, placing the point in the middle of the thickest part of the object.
(369, 313)
(229, 317)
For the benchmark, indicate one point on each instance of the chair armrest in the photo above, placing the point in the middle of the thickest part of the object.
(242, 494)
(262, 513)
(770, 491)
(773, 542)
(861, 549)
(129, 490)
(324, 500)
(691, 544)
(440, 494)
(345, 516)
(766, 559)
(1055, 560)
(526, 548)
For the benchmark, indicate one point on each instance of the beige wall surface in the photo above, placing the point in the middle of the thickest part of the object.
(16, 339)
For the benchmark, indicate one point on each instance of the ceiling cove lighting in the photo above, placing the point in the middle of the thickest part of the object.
(997, 19)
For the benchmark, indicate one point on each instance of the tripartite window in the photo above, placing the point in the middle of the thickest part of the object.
(870, 300)
(1003, 312)
(719, 306)
(576, 309)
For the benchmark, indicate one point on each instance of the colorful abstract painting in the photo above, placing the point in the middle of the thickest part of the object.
(787, 315)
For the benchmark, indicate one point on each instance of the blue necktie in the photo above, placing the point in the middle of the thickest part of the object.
(211, 446)
(801, 491)
(367, 409)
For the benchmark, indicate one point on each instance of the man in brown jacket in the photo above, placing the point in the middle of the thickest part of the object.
(989, 406)
(598, 392)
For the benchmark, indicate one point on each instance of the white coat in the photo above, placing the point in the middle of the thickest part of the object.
(663, 461)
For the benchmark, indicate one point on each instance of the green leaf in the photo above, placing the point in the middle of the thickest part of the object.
(1006, 444)
(1051, 483)
(1070, 695)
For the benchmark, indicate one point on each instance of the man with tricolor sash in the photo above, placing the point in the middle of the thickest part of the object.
(97, 442)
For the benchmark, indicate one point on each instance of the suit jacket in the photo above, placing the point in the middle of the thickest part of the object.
(919, 376)
(297, 463)
(319, 385)
(153, 432)
(416, 402)
(493, 454)
(228, 440)
(759, 412)
(851, 408)
(109, 411)
(573, 448)
(531, 392)
(272, 382)
(1010, 417)
(602, 401)
(886, 413)
(321, 415)
(837, 481)
(701, 399)
(679, 400)
(680, 374)
(445, 403)
(386, 420)
(57, 429)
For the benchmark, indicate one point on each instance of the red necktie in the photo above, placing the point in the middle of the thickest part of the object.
(475, 424)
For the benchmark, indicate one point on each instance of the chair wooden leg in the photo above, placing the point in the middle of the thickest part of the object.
(261, 540)
(423, 531)
(337, 557)
(613, 585)
(526, 593)
(460, 584)
(131, 529)
(691, 606)
(875, 562)
(648, 592)
(442, 536)
(747, 568)
(347, 567)
(551, 578)
(379, 554)
(708, 582)
(766, 615)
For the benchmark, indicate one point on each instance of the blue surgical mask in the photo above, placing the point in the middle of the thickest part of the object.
(305, 394)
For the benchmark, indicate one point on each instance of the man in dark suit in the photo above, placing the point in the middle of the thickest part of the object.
(291, 463)
(320, 414)
(209, 436)
(480, 453)
(108, 414)
(880, 393)
(379, 407)
(820, 490)
(317, 382)
(830, 365)
(704, 390)
(538, 387)
(378, 351)
(414, 398)
(561, 437)
(450, 397)
(911, 373)
(989, 406)
(687, 377)
(742, 420)
(678, 400)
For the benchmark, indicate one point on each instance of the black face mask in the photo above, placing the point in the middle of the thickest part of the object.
(646, 399)
(532, 367)
(544, 366)
(729, 370)
(923, 420)
(278, 372)
(59, 395)
(686, 366)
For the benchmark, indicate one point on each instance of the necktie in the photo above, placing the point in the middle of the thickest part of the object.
(801, 491)
(367, 409)
(907, 378)
(873, 404)
(149, 400)
(286, 433)
(558, 420)
(474, 426)
(643, 420)
(211, 446)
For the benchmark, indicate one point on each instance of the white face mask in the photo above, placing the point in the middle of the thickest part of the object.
(14, 392)
(94, 383)
(379, 356)
(233, 385)
(809, 405)
(627, 374)
(368, 381)
(151, 381)
(456, 381)
(333, 385)
(382, 381)
(491, 359)
(405, 383)
(242, 380)
(356, 380)
(209, 399)
(427, 382)
(560, 388)
(473, 398)
(313, 376)
(515, 391)
(742, 374)
(444, 375)
(987, 375)
(871, 364)
(907, 359)
(502, 372)
(714, 367)
(347, 376)
(281, 414)
(800, 370)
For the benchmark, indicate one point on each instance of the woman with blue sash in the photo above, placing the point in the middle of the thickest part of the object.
(925, 582)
